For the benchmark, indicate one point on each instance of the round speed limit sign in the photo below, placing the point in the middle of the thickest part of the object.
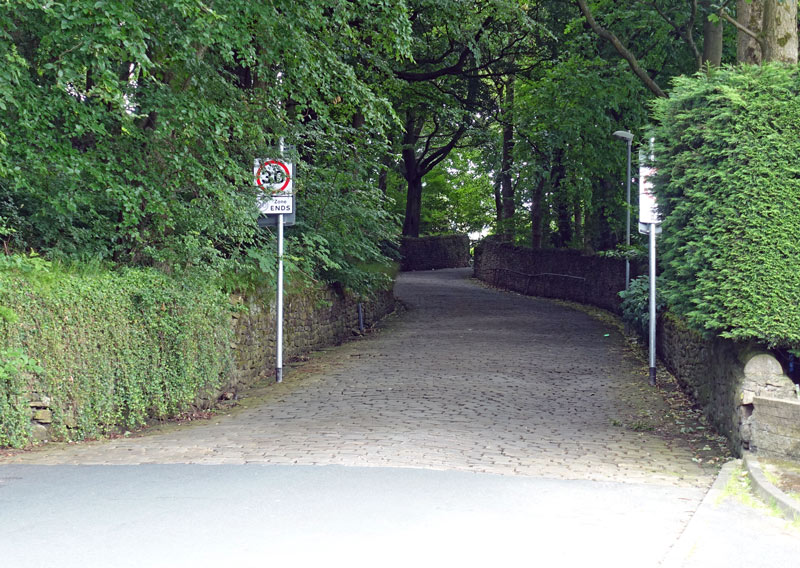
(273, 176)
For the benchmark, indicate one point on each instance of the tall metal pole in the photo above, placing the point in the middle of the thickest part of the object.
(628, 219)
(653, 304)
(628, 137)
(279, 338)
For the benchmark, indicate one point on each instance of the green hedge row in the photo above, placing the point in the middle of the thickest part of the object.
(106, 349)
(727, 150)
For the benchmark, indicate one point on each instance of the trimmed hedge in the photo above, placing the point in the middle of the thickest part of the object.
(729, 185)
(105, 349)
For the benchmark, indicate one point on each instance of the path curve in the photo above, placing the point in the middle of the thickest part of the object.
(467, 378)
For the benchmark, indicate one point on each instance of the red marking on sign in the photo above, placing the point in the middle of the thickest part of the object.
(285, 169)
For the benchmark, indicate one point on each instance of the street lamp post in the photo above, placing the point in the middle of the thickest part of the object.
(628, 137)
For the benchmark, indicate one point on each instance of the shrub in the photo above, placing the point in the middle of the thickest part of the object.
(635, 304)
(729, 186)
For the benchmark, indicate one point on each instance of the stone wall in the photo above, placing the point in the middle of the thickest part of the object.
(741, 386)
(428, 253)
(552, 273)
(711, 370)
(312, 319)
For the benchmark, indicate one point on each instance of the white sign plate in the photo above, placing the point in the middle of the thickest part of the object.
(276, 205)
(648, 206)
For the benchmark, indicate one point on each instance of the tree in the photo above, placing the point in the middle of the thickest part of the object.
(766, 29)
(459, 47)
(129, 128)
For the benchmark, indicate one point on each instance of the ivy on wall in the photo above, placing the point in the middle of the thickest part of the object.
(107, 349)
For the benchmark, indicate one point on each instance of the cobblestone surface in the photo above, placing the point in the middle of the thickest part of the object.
(467, 378)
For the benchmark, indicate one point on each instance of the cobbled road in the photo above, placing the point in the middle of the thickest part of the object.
(466, 378)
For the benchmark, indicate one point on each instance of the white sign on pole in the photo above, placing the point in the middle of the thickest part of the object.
(648, 206)
(275, 178)
(278, 205)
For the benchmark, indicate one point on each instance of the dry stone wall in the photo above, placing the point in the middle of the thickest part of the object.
(428, 253)
(552, 273)
(312, 319)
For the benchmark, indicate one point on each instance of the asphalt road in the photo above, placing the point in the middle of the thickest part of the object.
(261, 515)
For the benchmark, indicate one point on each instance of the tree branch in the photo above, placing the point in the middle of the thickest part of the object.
(760, 40)
(633, 63)
(685, 31)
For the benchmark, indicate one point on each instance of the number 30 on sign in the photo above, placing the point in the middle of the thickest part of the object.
(273, 176)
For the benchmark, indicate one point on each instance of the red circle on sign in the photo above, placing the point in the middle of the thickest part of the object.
(282, 166)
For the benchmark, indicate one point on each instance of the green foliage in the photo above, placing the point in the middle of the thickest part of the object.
(343, 221)
(457, 195)
(129, 128)
(729, 186)
(636, 304)
(15, 416)
(567, 159)
(111, 348)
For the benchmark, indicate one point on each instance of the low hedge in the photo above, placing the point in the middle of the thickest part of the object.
(102, 349)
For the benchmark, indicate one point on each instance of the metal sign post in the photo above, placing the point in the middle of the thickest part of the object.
(276, 179)
(649, 221)
(652, 304)
(279, 334)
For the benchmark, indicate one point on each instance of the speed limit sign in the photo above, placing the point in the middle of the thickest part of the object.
(274, 177)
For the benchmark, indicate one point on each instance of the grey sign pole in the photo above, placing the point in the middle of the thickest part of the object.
(649, 219)
(279, 335)
(653, 304)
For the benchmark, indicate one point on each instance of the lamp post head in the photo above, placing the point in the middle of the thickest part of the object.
(623, 135)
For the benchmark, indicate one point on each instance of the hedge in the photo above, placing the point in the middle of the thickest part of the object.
(729, 184)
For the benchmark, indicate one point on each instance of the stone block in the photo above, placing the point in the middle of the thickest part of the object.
(763, 375)
(40, 402)
(39, 432)
(776, 427)
(43, 416)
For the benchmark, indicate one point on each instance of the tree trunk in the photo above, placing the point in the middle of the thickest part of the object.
(537, 214)
(712, 37)
(780, 31)
(577, 214)
(506, 183)
(498, 203)
(413, 205)
(412, 172)
(750, 15)
(564, 235)
(774, 25)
